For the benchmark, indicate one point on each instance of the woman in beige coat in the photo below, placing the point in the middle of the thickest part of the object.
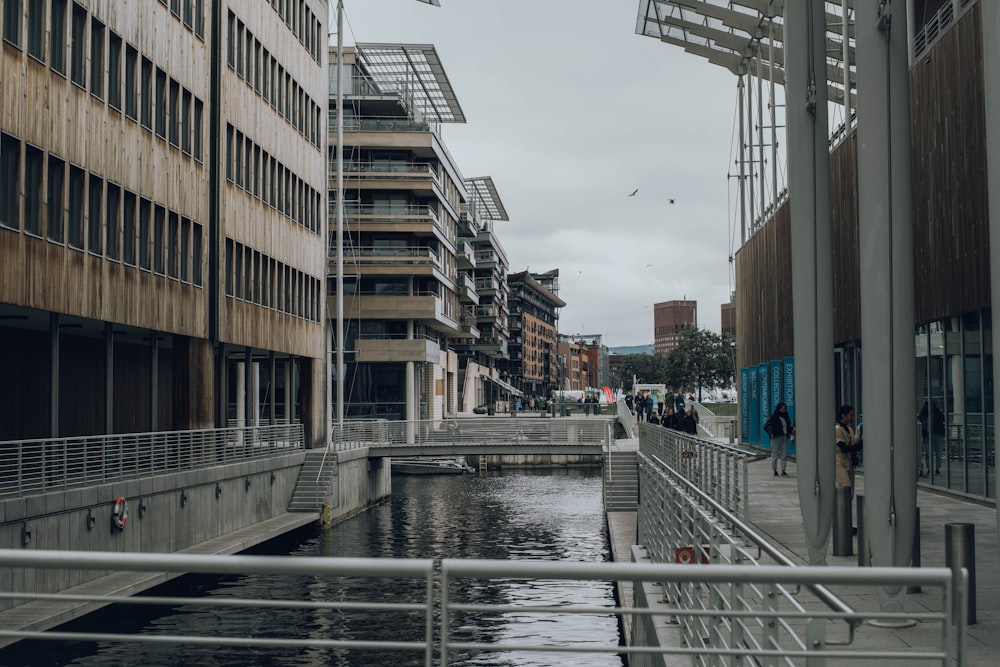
(849, 443)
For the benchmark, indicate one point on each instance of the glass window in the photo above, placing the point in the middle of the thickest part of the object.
(147, 93)
(10, 160)
(78, 63)
(113, 217)
(199, 18)
(76, 188)
(197, 129)
(196, 253)
(185, 249)
(114, 71)
(229, 267)
(161, 103)
(175, 117)
(186, 122)
(34, 165)
(57, 171)
(188, 12)
(172, 245)
(128, 229)
(159, 217)
(131, 90)
(145, 207)
(96, 58)
(12, 12)
(36, 30)
(95, 196)
(57, 36)
(238, 271)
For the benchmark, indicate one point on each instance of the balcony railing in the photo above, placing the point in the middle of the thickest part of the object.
(389, 169)
(38, 466)
(389, 255)
(934, 27)
(383, 124)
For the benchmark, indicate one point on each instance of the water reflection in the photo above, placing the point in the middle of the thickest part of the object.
(556, 516)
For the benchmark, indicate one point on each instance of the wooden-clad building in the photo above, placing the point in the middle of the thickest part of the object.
(953, 320)
(162, 215)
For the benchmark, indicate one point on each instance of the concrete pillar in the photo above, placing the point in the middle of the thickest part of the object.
(109, 378)
(411, 401)
(812, 266)
(250, 408)
(154, 382)
(289, 397)
(885, 236)
(271, 384)
(241, 403)
(991, 76)
(53, 375)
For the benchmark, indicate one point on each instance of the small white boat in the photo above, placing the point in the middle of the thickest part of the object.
(455, 466)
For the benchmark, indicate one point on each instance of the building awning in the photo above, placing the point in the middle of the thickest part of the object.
(506, 386)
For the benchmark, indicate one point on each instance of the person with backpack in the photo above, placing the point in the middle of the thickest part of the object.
(779, 428)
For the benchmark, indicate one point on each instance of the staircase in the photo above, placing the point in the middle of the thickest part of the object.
(315, 477)
(621, 482)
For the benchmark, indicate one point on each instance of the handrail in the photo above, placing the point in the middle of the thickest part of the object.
(748, 532)
(50, 464)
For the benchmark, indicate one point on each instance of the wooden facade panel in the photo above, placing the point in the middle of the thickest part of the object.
(950, 217)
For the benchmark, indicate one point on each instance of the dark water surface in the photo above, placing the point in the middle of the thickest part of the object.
(552, 516)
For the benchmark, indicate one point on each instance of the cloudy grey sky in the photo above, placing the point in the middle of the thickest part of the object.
(569, 111)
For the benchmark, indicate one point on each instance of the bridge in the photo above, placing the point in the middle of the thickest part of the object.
(522, 435)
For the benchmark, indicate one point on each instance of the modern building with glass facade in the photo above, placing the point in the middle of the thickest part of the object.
(162, 207)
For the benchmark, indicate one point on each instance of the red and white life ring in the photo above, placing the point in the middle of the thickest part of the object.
(119, 516)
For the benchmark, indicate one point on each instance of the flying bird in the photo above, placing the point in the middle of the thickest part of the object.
(670, 201)
(633, 192)
(649, 266)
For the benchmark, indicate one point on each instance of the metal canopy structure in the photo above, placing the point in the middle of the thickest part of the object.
(747, 37)
(483, 191)
(420, 68)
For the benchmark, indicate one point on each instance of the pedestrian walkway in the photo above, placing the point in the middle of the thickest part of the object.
(773, 510)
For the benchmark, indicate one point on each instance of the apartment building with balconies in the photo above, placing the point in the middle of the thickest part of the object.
(482, 381)
(534, 303)
(408, 280)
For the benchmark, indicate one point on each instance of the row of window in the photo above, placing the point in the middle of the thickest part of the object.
(66, 204)
(262, 72)
(134, 86)
(254, 277)
(260, 174)
(303, 24)
(189, 12)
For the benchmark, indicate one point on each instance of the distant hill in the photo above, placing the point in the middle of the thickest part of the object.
(633, 349)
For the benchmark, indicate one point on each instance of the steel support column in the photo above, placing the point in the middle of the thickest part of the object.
(743, 161)
(991, 72)
(885, 236)
(812, 266)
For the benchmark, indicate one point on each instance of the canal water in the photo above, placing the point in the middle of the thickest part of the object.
(555, 515)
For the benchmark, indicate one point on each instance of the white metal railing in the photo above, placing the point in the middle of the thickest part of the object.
(716, 426)
(37, 466)
(933, 28)
(684, 524)
(479, 431)
(719, 469)
(625, 417)
(440, 603)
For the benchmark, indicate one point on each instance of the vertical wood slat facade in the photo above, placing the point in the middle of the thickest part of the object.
(950, 217)
(948, 135)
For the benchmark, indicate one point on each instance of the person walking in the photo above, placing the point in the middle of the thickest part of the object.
(586, 406)
(690, 425)
(779, 428)
(932, 429)
(640, 407)
(849, 446)
(630, 403)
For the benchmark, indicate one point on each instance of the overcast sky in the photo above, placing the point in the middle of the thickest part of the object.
(570, 111)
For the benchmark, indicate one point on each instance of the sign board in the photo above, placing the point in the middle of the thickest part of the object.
(789, 384)
(744, 405)
(763, 371)
(754, 405)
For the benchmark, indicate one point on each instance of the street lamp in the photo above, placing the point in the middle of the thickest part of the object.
(340, 209)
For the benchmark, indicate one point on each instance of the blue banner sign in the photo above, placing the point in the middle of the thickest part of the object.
(754, 405)
(777, 384)
(744, 405)
(763, 371)
(789, 382)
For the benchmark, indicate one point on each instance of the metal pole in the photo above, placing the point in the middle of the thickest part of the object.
(749, 146)
(774, 122)
(864, 553)
(885, 232)
(843, 539)
(991, 66)
(743, 167)
(915, 557)
(760, 126)
(959, 553)
(845, 32)
(340, 215)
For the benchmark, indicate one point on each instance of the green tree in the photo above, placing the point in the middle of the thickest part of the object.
(647, 369)
(701, 359)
